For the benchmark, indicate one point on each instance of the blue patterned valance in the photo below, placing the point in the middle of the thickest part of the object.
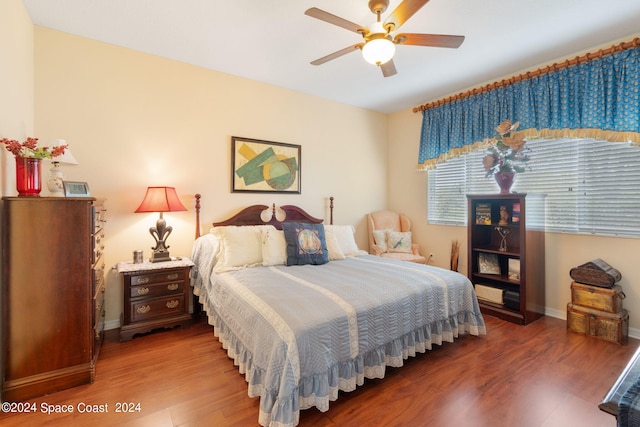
(597, 98)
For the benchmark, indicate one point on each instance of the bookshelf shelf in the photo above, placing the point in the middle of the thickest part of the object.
(506, 254)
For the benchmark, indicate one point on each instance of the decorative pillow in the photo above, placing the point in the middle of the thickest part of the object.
(380, 239)
(274, 247)
(306, 243)
(335, 252)
(345, 237)
(398, 241)
(240, 246)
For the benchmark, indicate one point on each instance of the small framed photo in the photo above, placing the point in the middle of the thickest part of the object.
(488, 263)
(76, 189)
(514, 269)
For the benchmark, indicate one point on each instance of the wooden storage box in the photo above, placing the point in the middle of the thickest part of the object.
(612, 327)
(604, 299)
(596, 272)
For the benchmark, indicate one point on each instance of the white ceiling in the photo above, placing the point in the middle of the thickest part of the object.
(273, 41)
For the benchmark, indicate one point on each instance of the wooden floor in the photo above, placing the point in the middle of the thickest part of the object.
(535, 375)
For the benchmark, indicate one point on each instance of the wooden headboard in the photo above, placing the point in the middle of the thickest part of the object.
(252, 215)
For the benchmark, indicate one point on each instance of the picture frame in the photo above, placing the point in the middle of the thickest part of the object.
(514, 269)
(488, 263)
(76, 189)
(259, 166)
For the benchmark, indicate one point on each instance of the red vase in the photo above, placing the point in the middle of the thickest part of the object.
(28, 176)
(505, 181)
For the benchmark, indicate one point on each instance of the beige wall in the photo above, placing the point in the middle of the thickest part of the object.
(563, 251)
(16, 84)
(134, 120)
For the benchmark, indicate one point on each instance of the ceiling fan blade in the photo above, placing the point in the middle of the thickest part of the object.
(314, 12)
(388, 68)
(434, 40)
(402, 13)
(337, 54)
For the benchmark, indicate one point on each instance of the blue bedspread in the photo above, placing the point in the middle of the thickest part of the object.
(300, 334)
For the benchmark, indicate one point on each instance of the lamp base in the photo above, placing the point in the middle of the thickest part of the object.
(54, 182)
(160, 256)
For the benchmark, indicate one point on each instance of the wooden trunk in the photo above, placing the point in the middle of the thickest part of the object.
(612, 327)
(604, 299)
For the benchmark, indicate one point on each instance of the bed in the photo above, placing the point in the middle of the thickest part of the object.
(301, 330)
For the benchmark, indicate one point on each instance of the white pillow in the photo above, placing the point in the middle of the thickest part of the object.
(398, 241)
(240, 246)
(333, 247)
(274, 247)
(344, 234)
(380, 239)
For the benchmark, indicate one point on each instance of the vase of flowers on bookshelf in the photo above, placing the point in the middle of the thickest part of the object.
(506, 155)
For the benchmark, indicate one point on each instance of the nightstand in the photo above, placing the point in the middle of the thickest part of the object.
(156, 295)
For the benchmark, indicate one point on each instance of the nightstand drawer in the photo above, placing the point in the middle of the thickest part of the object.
(164, 276)
(150, 308)
(157, 290)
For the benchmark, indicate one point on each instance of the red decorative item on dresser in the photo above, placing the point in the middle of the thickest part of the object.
(28, 176)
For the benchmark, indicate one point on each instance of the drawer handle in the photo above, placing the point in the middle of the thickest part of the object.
(173, 303)
(173, 286)
(143, 309)
(142, 280)
(143, 291)
(172, 276)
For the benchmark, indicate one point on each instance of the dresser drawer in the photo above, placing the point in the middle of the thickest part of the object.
(99, 313)
(157, 290)
(177, 275)
(158, 307)
(98, 277)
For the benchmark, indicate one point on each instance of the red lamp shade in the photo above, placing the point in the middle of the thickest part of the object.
(161, 199)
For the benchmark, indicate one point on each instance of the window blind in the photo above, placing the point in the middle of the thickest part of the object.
(591, 186)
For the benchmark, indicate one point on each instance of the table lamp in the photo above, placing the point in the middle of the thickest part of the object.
(160, 199)
(54, 182)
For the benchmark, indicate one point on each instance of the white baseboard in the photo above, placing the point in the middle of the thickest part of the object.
(111, 324)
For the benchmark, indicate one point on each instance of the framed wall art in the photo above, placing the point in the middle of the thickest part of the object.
(264, 166)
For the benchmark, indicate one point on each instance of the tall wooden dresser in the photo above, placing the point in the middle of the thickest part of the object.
(52, 293)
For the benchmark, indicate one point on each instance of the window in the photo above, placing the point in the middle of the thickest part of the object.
(592, 187)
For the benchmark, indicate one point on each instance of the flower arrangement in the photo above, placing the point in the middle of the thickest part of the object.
(29, 149)
(508, 152)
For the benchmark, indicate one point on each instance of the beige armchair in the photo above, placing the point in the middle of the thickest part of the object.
(390, 237)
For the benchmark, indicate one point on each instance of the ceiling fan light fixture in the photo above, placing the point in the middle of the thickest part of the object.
(378, 51)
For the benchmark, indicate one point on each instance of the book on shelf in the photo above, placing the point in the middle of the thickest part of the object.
(489, 293)
(483, 213)
(515, 213)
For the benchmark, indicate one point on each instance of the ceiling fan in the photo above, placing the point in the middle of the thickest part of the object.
(380, 39)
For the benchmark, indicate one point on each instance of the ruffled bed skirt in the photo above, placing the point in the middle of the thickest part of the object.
(321, 388)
